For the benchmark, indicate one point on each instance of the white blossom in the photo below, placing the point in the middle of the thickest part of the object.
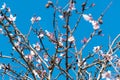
(87, 17)
(71, 39)
(106, 75)
(95, 24)
(61, 17)
(3, 6)
(33, 19)
(39, 61)
(62, 55)
(41, 35)
(12, 18)
(32, 53)
(37, 46)
(47, 33)
(1, 66)
(35, 73)
(45, 57)
(96, 49)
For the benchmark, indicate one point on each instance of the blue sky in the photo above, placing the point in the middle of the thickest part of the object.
(25, 9)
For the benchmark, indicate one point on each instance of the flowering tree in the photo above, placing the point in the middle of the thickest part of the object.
(63, 58)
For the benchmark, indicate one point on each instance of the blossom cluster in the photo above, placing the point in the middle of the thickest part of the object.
(94, 23)
(43, 62)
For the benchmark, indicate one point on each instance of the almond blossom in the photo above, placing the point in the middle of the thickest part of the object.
(57, 60)
(37, 46)
(29, 57)
(49, 3)
(96, 49)
(3, 6)
(71, 6)
(94, 23)
(84, 40)
(71, 39)
(61, 54)
(47, 33)
(50, 36)
(12, 18)
(61, 17)
(41, 35)
(35, 73)
(32, 53)
(108, 57)
(60, 43)
(87, 17)
(17, 44)
(45, 57)
(106, 75)
(39, 61)
(33, 19)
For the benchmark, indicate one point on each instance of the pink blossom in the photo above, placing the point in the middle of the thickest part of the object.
(71, 6)
(84, 40)
(108, 57)
(45, 57)
(30, 57)
(95, 24)
(17, 44)
(33, 19)
(50, 35)
(12, 18)
(57, 60)
(60, 44)
(37, 46)
(47, 33)
(106, 75)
